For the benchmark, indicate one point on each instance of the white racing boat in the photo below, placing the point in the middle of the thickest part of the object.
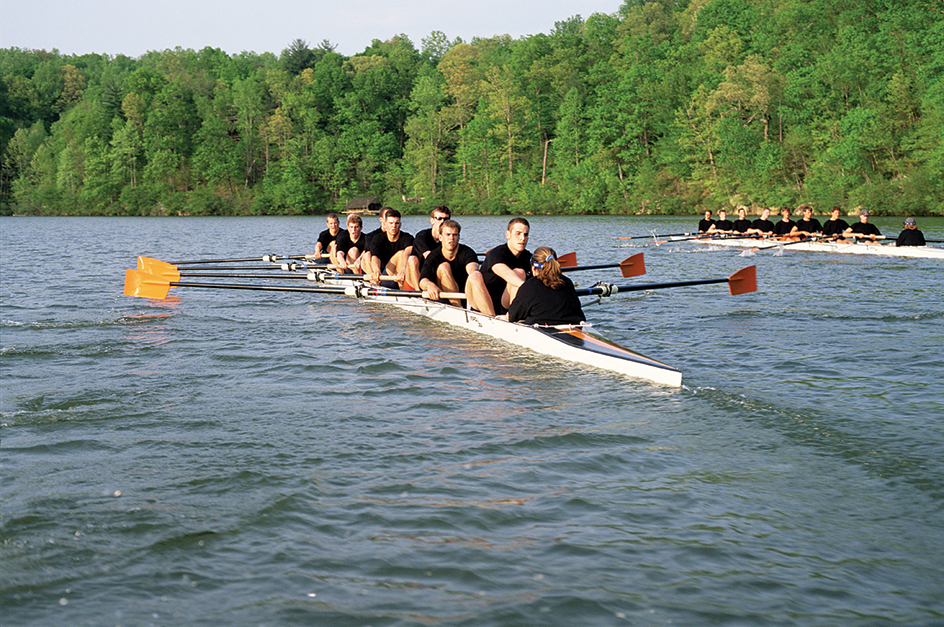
(819, 246)
(576, 343)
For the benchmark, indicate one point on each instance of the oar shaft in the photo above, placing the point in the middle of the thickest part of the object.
(613, 289)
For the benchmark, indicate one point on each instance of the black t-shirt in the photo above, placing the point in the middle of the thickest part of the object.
(742, 225)
(345, 244)
(764, 226)
(464, 256)
(382, 248)
(704, 225)
(724, 225)
(864, 228)
(325, 238)
(810, 226)
(911, 238)
(536, 303)
(784, 227)
(835, 227)
(494, 283)
(422, 242)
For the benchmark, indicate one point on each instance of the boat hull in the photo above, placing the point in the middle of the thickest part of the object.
(572, 343)
(886, 250)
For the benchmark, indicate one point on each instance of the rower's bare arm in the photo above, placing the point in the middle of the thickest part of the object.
(507, 274)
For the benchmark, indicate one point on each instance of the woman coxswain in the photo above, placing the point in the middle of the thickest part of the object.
(548, 297)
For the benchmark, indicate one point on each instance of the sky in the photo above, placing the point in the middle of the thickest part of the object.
(133, 27)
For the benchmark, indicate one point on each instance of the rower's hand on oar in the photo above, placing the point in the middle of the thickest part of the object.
(374, 277)
(430, 289)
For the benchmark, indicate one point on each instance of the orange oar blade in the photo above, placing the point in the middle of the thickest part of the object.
(159, 268)
(743, 281)
(144, 285)
(568, 260)
(633, 266)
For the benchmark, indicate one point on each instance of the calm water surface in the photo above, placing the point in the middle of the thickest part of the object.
(250, 458)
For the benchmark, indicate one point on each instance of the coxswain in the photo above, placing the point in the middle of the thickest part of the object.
(425, 241)
(742, 224)
(508, 265)
(808, 226)
(454, 267)
(327, 238)
(786, 225)
(911, 236)
(548, 297)
(835, 226)
(761, 226)
(723, 225)
(390, 250)
(705, 224)
(863, 230)
(350, 246)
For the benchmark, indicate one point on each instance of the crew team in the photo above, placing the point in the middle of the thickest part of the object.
(835, 228)
(510, 282)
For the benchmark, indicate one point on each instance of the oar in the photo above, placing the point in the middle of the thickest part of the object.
(633, 265)
(655, 236)
(145, 285)
(741, 282)
(272, 258)
(934, 241)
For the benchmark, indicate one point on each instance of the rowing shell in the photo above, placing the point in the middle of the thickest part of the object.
(574, 343)
(925, 252)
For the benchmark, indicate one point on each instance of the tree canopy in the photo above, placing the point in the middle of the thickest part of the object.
(663, 107)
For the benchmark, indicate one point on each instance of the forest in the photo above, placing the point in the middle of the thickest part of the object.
(664, 107)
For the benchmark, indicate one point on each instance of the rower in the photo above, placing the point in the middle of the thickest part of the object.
(389, 251)
(705, 224)
(835, 226)
(365, 254)
(454, 267)
(808, 226)
(911, 236)
(425, 241)
(863, 230)
(742, 223)
(786, 225)
(350, 246)
(507, 265)
(548, 297)
(723, 225)
(326, 239)
(761, 226)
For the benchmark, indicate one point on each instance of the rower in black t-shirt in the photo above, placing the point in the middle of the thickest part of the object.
(723, 225)
(809, 225)
(389, 251)
(454, 267)
(508, 265)
(835, 226)
(863, 231)
(425, 241)
(705, 224)
(786, 225)
(742, 223)
(762, 225)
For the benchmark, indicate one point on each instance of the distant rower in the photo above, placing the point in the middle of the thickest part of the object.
(425, 241)
(350, 246)
(809, 225)
(911, 236)
(835, 226)
(862, 229)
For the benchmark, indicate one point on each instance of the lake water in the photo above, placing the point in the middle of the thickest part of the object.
(257, 458)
